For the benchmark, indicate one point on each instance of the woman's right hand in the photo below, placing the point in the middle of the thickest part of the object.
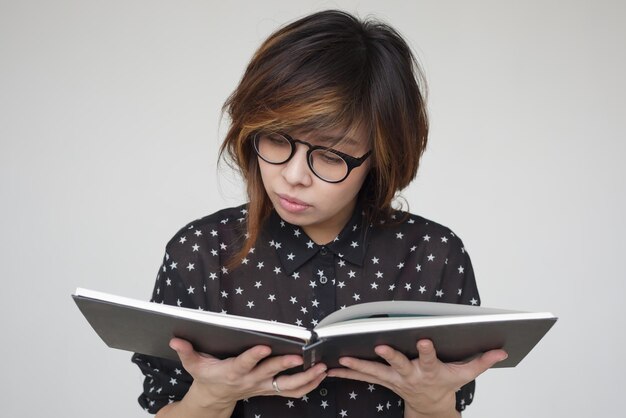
(224, 382)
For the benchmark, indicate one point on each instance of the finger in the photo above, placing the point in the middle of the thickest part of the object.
(294, 382)
(247, 360)
(366, 367)
(302, 390)
(427, 355)
(398, 361)
(274, 365)
(482, 363)
(187, 354)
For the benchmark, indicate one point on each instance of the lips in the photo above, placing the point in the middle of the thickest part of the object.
(292, 204)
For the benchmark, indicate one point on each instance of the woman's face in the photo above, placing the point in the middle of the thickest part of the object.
(301, 198)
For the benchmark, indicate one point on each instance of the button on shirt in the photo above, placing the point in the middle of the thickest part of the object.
(288, 278)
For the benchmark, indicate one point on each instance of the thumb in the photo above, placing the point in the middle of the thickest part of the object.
(188, 356)
(487, 360)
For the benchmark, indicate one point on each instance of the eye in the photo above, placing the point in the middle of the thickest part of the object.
(275, 139)
(328, 157)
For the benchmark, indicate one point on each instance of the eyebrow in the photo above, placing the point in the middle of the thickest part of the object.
(337, 139)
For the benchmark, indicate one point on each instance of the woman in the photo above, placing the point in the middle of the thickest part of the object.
(327, 124)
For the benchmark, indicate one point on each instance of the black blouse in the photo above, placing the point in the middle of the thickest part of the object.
(288, 278)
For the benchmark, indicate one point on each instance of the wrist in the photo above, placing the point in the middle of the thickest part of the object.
(443, 408)
(201, 399)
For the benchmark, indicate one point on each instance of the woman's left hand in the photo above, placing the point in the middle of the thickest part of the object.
(426, 384)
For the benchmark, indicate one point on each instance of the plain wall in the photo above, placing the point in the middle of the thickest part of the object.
(109, 130)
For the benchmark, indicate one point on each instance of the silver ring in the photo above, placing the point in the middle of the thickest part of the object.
(275, 385)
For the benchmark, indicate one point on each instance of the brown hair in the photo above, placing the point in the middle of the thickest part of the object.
(331, 70)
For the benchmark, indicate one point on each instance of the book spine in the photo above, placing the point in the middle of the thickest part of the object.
(312, 352)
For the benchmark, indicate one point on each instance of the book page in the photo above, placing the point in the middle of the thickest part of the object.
(406, 308)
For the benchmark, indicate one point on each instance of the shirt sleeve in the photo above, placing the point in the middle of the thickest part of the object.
(165, 381)
(459, 285)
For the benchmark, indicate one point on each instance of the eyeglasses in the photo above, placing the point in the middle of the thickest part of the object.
(326, 163)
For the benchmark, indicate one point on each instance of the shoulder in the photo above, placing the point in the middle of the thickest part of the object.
(411, 227)
(226, 225)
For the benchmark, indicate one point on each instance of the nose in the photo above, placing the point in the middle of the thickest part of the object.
(296, 170)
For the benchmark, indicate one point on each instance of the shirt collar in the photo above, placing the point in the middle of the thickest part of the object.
(294, 247)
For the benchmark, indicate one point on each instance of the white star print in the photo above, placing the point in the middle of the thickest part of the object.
(387, 271)
(190, 267)
(290, 403)
(182, 240)
(324, 404)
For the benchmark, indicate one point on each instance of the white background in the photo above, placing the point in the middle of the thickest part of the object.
(109, 129)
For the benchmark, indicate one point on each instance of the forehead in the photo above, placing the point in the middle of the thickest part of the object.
(336, 137)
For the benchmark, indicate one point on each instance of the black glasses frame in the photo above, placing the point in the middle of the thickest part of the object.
(351, 162)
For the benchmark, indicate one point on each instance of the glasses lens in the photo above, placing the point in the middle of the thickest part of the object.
(328, 165)
(272, 147)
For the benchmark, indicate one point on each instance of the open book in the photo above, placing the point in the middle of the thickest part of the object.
(458, 332)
